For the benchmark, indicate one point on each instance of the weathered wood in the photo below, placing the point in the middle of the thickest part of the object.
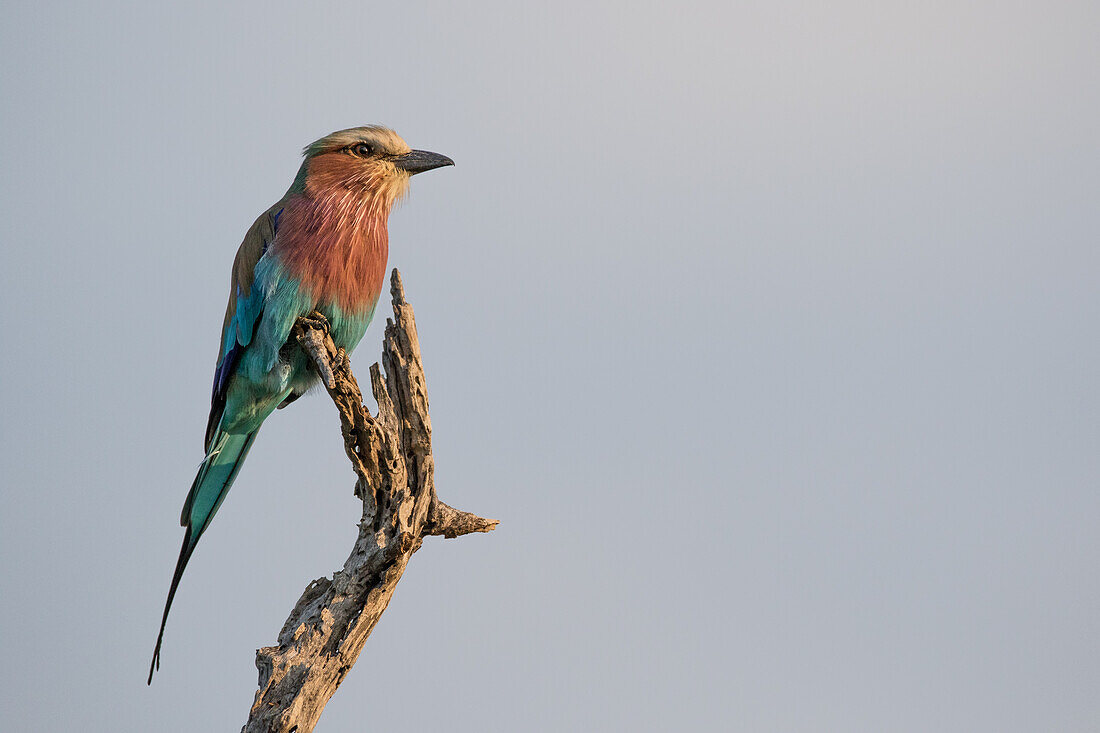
(392, 458)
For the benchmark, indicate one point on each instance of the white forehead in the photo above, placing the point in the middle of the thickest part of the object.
(381, 138)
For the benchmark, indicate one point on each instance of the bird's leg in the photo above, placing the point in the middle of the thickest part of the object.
(290, 398)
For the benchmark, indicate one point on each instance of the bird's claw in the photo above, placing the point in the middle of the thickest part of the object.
(316, 320)
(341, 361)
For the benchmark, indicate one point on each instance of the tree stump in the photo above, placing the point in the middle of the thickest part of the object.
(392, 458)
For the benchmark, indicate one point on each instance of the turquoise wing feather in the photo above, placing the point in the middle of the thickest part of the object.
(225, 451)
(245, 308)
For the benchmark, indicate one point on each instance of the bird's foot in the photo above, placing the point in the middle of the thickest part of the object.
(315, 320)
(341, 361)
(311, 331)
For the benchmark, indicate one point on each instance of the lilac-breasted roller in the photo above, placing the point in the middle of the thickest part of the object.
(322, 247)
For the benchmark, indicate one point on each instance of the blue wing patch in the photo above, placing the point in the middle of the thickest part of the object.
(237, 337)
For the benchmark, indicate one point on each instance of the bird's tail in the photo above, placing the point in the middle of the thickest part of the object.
(212, 483)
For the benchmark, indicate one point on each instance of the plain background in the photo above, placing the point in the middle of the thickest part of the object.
(768, 330)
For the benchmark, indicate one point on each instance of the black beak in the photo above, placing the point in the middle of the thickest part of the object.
(418, 161)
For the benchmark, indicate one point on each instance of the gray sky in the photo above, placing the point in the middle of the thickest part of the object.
(768, 330)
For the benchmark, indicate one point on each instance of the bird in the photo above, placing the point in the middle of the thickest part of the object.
(322, 247)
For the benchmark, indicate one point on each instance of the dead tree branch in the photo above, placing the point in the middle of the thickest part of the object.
(392, 457)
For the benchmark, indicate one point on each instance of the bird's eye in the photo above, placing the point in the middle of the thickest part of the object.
(363, 149)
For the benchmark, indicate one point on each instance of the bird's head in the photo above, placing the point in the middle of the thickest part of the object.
(371, 162)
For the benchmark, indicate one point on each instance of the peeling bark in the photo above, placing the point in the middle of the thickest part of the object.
(392, 458)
